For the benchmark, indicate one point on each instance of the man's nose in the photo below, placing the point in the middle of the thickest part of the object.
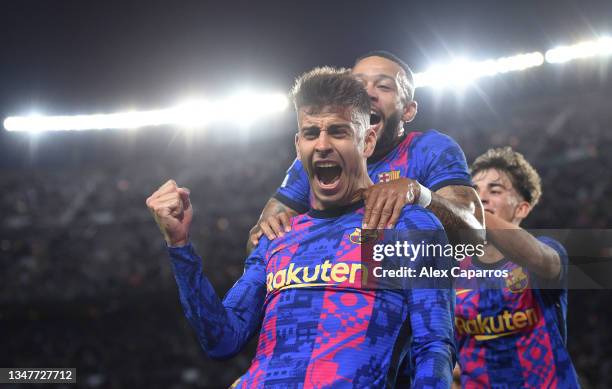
(323, 144)
(370, 88)
(484, 199)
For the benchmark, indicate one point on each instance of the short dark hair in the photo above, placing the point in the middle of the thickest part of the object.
(330, 87)
(525, 179)
(408, 83)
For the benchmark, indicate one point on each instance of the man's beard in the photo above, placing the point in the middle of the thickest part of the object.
(388, 137)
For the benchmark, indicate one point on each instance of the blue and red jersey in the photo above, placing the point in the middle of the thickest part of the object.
(319, 326)
(510, 331)
(433, 159)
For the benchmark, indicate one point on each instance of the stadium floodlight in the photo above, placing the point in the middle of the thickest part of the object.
(125, 120)
(462, 72)
(243, 109)
(192, 114)
(246, 107)
(600, 47)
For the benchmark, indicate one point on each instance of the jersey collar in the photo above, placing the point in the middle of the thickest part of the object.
(335, 212)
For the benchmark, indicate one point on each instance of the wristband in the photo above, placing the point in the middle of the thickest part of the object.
(424, 197)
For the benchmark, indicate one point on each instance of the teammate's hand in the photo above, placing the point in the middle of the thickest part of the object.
(384, 202)
(273, 226)
(172, 211)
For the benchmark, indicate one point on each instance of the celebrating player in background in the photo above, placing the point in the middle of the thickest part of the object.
(511, 331)
(320, 326)
(427, 168)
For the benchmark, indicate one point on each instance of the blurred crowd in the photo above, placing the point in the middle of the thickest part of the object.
(85, 281)
(568, 141)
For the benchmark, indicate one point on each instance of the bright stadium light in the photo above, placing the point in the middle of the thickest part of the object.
(462, 72)
(246, 107)
(124, 120)
(601, 47)
(193, 114)
(242, 108)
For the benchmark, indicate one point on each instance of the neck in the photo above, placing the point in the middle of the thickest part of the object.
(381, 152)
(353, 195)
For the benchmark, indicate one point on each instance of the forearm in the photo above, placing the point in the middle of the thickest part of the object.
(222, 331)
(274, 207)
(461, 214)
(522, 248)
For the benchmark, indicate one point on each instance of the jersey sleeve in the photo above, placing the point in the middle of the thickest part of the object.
(222, 327)
(554, 291)
(431, 305)
(441, 161)
(294, 192)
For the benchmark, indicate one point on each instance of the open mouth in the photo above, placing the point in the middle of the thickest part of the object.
(376, 122)
(327, 173)
(374, 118)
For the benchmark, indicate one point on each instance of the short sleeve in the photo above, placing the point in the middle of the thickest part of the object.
(441, 161)
(294, 192)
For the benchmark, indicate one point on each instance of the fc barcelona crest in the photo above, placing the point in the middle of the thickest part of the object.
(388, 176)
(358, 237)
(517, 280)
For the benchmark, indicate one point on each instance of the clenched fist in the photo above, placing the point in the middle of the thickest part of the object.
(172, 211)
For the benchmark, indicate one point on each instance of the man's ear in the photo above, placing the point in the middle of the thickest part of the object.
(297, 147)
(369, 142)
(522, 210)
(410, 111)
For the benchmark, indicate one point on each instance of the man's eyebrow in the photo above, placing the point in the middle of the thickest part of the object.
(496, 184)
(492, 185)
(376, 76)
(339, 126)
(309, 128)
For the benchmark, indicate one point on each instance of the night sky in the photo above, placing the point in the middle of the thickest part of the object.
(67, 57)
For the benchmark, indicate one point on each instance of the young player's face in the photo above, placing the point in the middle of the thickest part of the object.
(329, 145)
(382, 79)
(497, 194)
